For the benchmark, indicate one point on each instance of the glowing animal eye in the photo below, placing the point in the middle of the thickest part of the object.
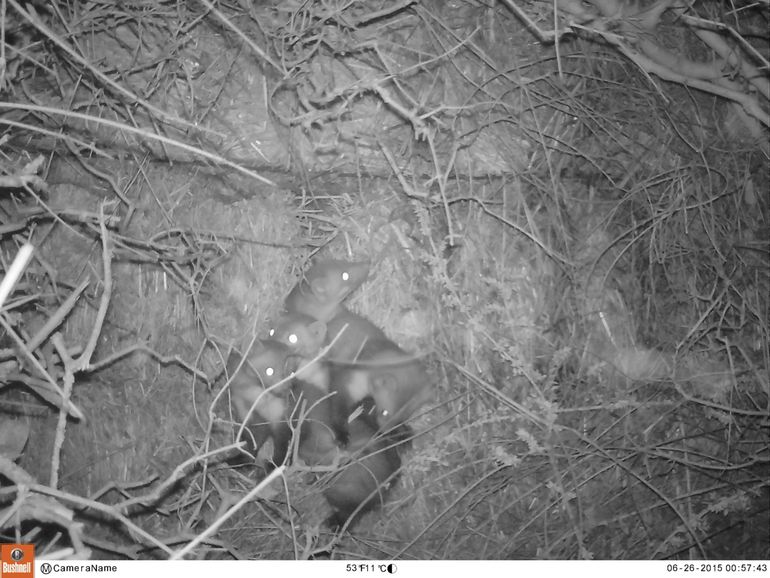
(345, 276)
(293, 339)
(271, 332)
(269, 372)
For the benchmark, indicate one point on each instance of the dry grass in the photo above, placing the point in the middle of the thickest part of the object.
(579, 250)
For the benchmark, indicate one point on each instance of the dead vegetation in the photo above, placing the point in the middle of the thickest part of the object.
(567, 209)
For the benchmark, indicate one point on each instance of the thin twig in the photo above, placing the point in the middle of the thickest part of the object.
(144, 348)
(49, 382)
(32, 17)
(138, 131)
(69, 380)
(110, 511)
(58, 317)
(261, 53)
(15, 271)
(179, 554)
(84, 360)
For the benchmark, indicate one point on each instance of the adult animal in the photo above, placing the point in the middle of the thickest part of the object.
(324, 286)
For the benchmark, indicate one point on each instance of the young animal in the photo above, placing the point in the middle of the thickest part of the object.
(303, 334)
(351, 335)
(324, 287)
(318, 445)
(362, 484)
(348, 334)
(397, 383)
(269, 364)
(264, 413)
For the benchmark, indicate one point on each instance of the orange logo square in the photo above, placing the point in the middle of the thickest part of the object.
(17, 560)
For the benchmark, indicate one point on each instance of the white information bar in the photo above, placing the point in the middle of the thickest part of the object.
(406, 569)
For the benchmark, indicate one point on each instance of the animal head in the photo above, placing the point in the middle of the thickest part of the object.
(249, 378)
(266, 365)
(300, 332)
(395, 402)
(333, 280)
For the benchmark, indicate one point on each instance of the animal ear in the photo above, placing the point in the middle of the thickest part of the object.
(257, 348)
(385, 381)
(245, 371)
(233, 361)
(290, 364)
(318, 330)
(318, 286)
